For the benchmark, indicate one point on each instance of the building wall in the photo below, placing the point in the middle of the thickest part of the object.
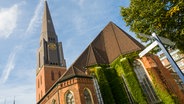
(178, 58)
(163, 77)
(44, 79)
(76, 86)
(77, 90)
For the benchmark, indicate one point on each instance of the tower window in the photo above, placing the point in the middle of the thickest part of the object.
(41, 93)
(39, 96)
(38, 83)
(41, 80)
(52, 75)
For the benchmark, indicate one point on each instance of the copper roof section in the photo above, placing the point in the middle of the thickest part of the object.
(107, 46)
(47, 24)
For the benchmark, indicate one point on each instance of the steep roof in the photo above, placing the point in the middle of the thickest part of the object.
(107, 46)
(47, 24)
(73, 72)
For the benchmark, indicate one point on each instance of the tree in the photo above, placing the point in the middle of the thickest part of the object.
(164, 17)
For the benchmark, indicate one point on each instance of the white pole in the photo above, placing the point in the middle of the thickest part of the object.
(171, 60)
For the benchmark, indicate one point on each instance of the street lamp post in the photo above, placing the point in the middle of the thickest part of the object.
(171, 60)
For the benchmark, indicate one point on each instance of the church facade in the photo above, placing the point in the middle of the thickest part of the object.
(55, 84)
(85, 83)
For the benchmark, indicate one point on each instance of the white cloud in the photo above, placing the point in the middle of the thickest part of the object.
(36, 19)
(8, 19)
(10, 65)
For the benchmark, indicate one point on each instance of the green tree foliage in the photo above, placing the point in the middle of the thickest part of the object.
(164, 17)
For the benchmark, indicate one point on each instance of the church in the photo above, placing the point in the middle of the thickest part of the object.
(107, 72)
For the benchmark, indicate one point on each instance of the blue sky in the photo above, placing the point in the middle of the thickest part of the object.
(77, 23)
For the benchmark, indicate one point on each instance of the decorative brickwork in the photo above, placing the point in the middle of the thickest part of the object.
(74, 85)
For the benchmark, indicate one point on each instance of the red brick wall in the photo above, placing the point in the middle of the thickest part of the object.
(44, 76)
(163, 76)
(76, 86)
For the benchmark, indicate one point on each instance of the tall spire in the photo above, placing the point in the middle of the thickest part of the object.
(47, 24)
(50, 51)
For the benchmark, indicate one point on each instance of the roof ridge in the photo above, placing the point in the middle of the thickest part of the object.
(77, 69)
(73, 70)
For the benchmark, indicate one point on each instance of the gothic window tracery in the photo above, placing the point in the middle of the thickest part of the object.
(69, 98)
(87, 97)
(145, 82)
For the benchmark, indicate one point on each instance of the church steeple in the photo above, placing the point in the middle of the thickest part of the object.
(50, 59)
(47, 24)
(50, 51)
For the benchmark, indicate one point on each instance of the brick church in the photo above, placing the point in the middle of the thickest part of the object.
(55, 84)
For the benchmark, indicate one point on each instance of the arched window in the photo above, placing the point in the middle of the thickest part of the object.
(144, 81)
(69, 98)
(87, 97)
(53, 101)
(52, 75)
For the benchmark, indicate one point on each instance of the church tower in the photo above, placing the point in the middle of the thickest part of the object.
(50, 59)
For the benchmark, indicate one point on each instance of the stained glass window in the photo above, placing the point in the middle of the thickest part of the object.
(87, 97)
(69, 98)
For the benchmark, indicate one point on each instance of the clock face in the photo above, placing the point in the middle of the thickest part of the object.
(52, 46)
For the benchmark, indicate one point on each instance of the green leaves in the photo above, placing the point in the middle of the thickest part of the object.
(165, 18)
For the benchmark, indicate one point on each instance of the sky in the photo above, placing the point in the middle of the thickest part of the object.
(76, 22)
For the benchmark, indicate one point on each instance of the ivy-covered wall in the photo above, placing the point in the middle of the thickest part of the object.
(123, 68)
(159, 82)
(104, 85)
(112, 79)
(111, 85)
(116, 85)
(160, 89)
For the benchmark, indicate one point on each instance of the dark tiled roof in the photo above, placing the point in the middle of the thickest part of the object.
(47, 24)
(107, 46)
(73, 72)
